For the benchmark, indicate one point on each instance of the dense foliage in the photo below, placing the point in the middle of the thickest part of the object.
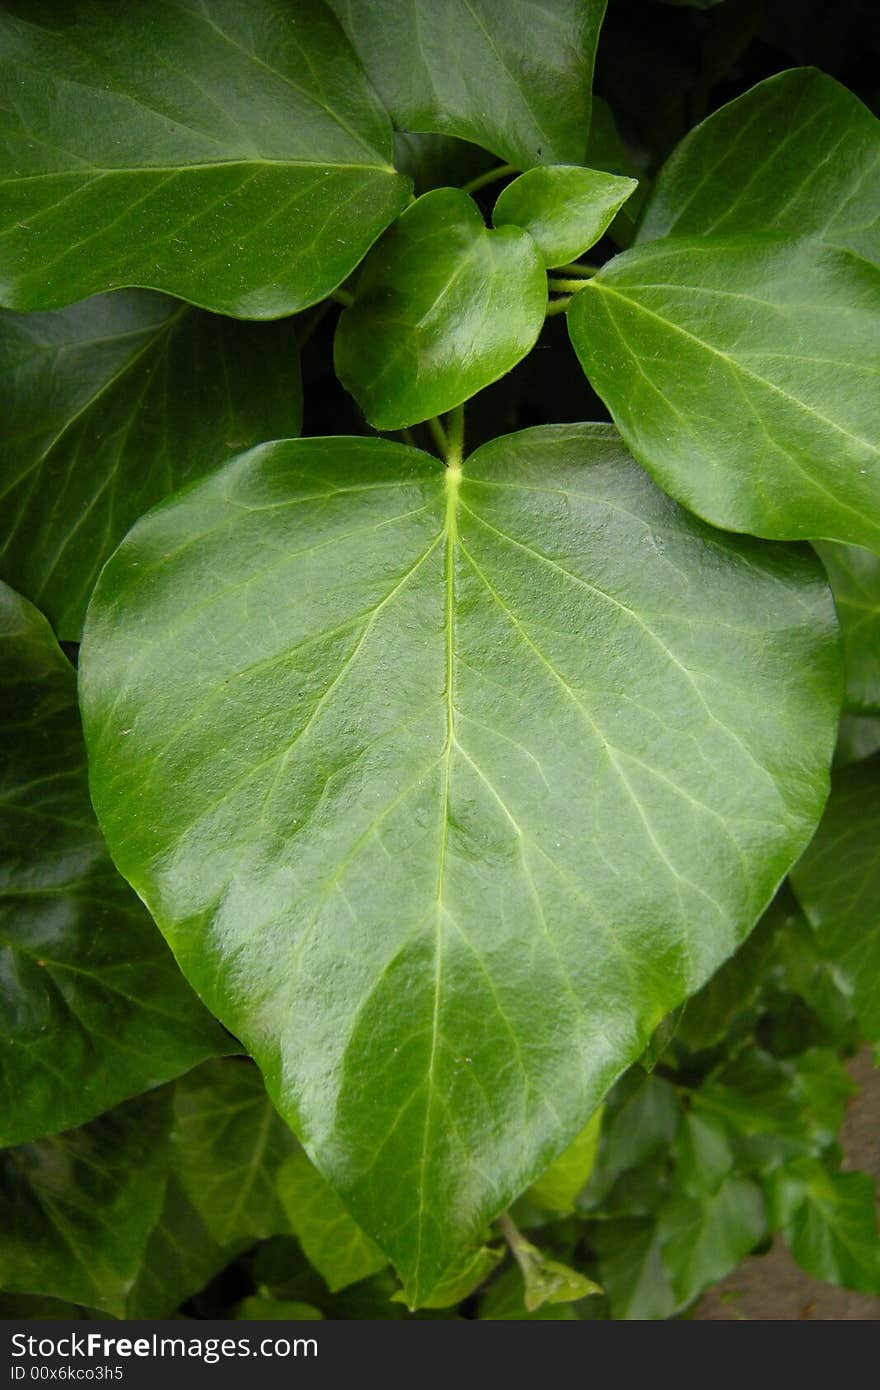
(424, 885)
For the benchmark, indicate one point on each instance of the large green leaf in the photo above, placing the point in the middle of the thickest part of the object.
(107, 407)
(231, 154)
(93, 1006)
(796, 154)
(838, 884)
(391, 733)
(830, 1224)
(854, 576)
(565, 209)
(512, 75)
(741, 373)
(443, 308)
(76, 1210)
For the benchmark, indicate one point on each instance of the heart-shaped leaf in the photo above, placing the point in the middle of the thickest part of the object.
(443, 308)
(830, 1224)
(107, 407)
(513, 77)
(233, 155)
(741, 372)
(796, 154)
(563, 208)
(94, 1007)
(838, 885)
(447, 787)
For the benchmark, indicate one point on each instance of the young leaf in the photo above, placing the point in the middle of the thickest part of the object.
(331, 1239)
(854, 576)
(511, 77)
(740, 372)
(545, 1280)
(838, 885)
(94, 1007)
(107, 407)
(76, 1211)
(798, 154)
(557, 1189)
(830, 1224)
(232, 155)
(443, 308)
(564, 209)
(392, 732)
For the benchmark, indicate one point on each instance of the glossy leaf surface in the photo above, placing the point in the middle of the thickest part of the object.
(443, 308)
(564, 209)
(331, 1239)
(232, 155)
(94, 1008)
(741, 373)
(838, 884)
(107, 407)
(514, 77)
(557, 1189)
(392, 732)
(798, 154)
(76, 1210)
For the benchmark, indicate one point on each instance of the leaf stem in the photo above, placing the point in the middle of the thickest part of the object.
(455, 437)
(566, 286)
(579, 268)
(439, 434)
(558, 306)
(501, 171)
(342, 297)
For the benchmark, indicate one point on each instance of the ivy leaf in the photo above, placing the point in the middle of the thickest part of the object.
(798, 154)
(703, 1237)
(462, 1279)
(632, 1271)
(838, 885)
(545, 1280)
(227, 1148)
(94, 1007)
(854, 576)
(564, 209)
(504, 1302)
(390, 740)
(233, 156)
(830, 1224)
(557, 1189)
(331, 1239)
(107, 407)
(443, 308)
(519, 82)
(740, 372)
(76, 1210)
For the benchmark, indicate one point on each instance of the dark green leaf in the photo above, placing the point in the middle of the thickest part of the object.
(262, 1309)
(94, 1008)
(856, 739)
(606, 149)
(109, 406)
(76, 1210)
(443, 308)
(854, 576)
(233, 155)
(632, 1271)
(704, 1237)
(514, 77)
(392, 732)
(830, 1225)
(740, 371)
(838, 884)
(797, 154)
(564, 209)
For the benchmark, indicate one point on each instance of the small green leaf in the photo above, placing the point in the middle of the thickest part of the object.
(330, 1237)
(854, 576)
(703, 1156)
(443, 308)
(797, 154)
(106, 408)
(565, 209)
(632, 1271)
(462, 1279)
(504, 1302)
(76, 1211)
(94, 1007)
(393, 728)
(233, 155)
(838, 885)
(273, 1309)
(830, 1224)
(740, 372)
(703, 1237)
(557, 1189)
(511, 77)
(545, 1280)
